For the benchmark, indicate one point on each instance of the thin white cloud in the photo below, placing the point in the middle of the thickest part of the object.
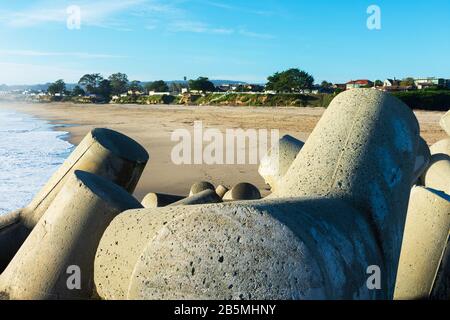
(33, 53)
(93, 13)
(258, 35)
(197, 27)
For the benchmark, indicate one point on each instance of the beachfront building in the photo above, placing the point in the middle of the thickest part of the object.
(356, 84)
(391, 83)
(423, 83)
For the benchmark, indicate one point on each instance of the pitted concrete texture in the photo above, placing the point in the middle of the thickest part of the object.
(437, 176)
(120, 247)
(307, 248)
(156, 200)
(243, 191)
(276, 163)
(221, 191)
(445, 122)
(67, 235)
(363, 150)
(442, 146)
(423, 159)
(426, 234)
(201, 186)
(203, 197)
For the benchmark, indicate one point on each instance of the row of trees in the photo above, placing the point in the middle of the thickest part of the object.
(292, 80)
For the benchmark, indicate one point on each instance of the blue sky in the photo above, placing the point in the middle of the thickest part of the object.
(239, 40)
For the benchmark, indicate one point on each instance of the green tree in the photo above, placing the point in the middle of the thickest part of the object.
(407, 82)
(177, 87)
(119, 83)
(78, 91)
(136, 85)
(378, 83)
(292, 80)
(157, 86)
(91, 82)
(58, 86)
(105, 89)
(326, 84)
(202, 84)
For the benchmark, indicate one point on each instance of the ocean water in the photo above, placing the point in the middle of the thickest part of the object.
(30, 151)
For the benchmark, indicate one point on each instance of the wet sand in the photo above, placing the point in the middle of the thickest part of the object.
(152, 126)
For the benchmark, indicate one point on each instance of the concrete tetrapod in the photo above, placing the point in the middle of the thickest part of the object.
(200, 186)
(156, 200)
(66, 237)
(426, 234)
(276, 163)
(363, 150)
(103, 152)
(445, 122)
(243, 191)
(437, 176)
(309, 248)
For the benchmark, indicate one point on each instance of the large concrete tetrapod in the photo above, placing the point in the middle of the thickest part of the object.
(426, 234)
(103, 152)
(363, 150)
(66, 240)
(445, 122)
(276, 163)
(324, 246)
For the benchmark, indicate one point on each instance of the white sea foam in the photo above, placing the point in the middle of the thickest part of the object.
(30, 151)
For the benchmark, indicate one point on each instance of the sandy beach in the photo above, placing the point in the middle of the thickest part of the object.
(152, 127)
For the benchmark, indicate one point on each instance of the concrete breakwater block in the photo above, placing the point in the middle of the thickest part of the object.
(206, 196)
(221, 191)
(276, 163)
(426, 235)
(308, 248)
(363, 150)
(65, 240)
(201, 186)
(103, 152)
(156, 200)
(437, 176)
(445, 122)
(442, 146)
(243, 191)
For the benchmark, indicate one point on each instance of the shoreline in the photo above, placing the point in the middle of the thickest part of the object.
(152, 126)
